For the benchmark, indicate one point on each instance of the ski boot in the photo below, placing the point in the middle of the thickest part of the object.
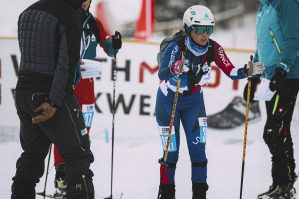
(59, 182)
(167, 191)
(199, 190)
(279, 192)
(264, 195)
(234, 115)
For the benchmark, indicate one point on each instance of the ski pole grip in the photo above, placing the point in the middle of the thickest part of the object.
(116, 40)
(250, 67)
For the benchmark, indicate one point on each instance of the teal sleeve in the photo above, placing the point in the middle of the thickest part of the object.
(288, 13)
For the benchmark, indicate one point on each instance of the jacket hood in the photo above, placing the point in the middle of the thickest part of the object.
(75, 3)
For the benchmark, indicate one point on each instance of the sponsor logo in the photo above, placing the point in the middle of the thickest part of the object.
(93, 38)
(83, 132)
(206, 16)
(223, 57)
(172, 56)
(164, 130)
(197, 140)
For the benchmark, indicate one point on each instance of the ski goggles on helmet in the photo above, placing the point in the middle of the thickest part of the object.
(202, 29)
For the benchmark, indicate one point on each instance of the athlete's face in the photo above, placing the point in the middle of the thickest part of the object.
(200, 39)
(85, 5)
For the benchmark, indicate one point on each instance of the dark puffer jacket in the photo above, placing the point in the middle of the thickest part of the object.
(49, 34)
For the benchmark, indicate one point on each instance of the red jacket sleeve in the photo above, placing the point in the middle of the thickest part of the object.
(103, 35)
(223, 62)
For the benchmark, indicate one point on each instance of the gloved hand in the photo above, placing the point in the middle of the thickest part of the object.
(108, 47)
(205, 78)
(193, 79)
(116, 40)
(46, 112)
(175, 69)
(277, 79)
(254, 83)
(256, 68)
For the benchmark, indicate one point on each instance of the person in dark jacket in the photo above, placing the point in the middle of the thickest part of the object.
(49, 39)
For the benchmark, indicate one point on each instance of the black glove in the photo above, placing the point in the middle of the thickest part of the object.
(193, 79)
(116, 40)
(254, 83)
(277, 79)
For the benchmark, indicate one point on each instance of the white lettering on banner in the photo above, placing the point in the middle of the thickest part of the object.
(223, 58)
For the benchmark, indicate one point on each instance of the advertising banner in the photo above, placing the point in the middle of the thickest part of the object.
(136, 87)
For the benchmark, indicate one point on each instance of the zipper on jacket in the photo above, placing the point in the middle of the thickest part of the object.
(274, 41)
(85, 185)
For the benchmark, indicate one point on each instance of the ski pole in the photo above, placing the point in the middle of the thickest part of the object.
(246, 125)
(175, 99)
(47, 173)
(116, 44)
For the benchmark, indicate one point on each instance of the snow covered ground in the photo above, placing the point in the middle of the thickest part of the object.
(136, 171)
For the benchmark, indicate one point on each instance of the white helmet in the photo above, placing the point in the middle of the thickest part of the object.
(198, 16)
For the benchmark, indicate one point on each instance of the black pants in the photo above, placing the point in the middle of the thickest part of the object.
(67, 130)
(277, 134)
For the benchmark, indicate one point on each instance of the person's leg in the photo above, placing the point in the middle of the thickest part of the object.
(35, 145)
(278, 138)
(68, 132)
(277, 133)
(167, 169)
(293, 87)
(84, 93)
(194, 121)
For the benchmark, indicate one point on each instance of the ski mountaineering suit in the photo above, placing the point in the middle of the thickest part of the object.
(190, 108)
(277, 30)
(49, 40)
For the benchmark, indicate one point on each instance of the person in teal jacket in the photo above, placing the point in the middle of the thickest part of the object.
(277, 31)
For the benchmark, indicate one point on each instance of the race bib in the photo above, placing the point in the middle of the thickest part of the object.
(203, 129)
(88, 112)
(164, 136)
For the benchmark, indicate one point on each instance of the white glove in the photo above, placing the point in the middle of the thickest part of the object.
(205, 78)
(256, 68)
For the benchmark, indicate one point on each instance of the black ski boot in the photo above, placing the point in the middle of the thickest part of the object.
(264, 195)
(199, 190)
(279, 192)
(167, 191)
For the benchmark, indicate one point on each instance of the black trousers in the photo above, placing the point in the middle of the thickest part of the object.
(277, 134)
(67, 130)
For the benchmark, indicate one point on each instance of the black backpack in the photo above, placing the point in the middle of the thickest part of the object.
(179, 37)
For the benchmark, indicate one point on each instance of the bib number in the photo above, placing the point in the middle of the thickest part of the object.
(164, 136)
(88, 112)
